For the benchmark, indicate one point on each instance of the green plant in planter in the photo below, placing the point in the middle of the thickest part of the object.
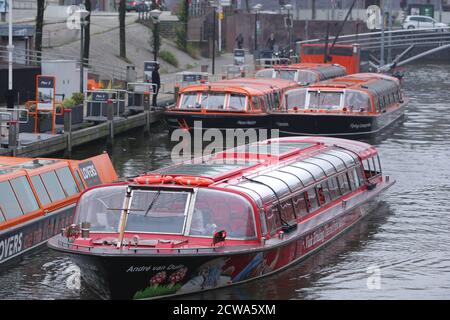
(68, 103)
(78, 98)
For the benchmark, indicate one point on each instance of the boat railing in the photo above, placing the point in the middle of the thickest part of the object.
(131, 249)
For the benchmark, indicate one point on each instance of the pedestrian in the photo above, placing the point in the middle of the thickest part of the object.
(271, 42)
(240, 41)
(156, 80)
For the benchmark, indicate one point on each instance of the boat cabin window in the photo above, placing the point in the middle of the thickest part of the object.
(237, 102)
(356, 101)
(343, 183)
(216, 210)
(324, 100)
(157, 212)
(42, 194)
(189, 101)
(8, 202)
(300, 204)
(295, 99)
(25, 195)
(311, 200)
(354, 179)
(306, 77)
(256, 103)
(323, 193)
(102, 208)
(53, 186)
(67, 181)
(372, 167)
(286, 74)
(334, 188)
(80, 182)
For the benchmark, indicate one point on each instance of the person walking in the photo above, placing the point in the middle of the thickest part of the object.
(156, 80)
(271, 42)
(240, 41)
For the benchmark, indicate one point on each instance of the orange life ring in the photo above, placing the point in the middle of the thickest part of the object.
(155, 179)
(193, 181)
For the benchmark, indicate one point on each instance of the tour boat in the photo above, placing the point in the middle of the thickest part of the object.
(222, 219)
(303, 73)
(228, 104)
(38, 198)
(350, 56)
(356, 105)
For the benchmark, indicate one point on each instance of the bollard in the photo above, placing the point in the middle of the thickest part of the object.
(147, 110)
(12, 137)
(68, 128)
(110, 117)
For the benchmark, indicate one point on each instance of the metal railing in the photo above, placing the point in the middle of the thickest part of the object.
(394, 38)
(31, 57)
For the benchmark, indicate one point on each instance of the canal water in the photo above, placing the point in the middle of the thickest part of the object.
(400, 251)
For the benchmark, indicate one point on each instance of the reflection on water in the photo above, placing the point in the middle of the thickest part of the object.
(407, 236)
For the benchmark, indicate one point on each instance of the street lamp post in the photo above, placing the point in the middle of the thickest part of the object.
(82, 13)
(154, 14)
(288, 7)
(257, 8)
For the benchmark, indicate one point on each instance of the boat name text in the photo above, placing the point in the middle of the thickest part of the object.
(10, 246)
(154, 268)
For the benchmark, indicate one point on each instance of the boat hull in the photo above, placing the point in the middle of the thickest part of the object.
(23, 239)
(130, 276)
(177, 120)
(339, 125)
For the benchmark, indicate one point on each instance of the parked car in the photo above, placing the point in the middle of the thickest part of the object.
(422, 22)
(135, 5)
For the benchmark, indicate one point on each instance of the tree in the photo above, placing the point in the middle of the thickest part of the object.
(39, 27)
(182, 32)
(87, 32)
(123, 49)
(247, 6)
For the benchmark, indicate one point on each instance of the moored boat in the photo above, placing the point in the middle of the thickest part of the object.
(303, 73)
(221, 220)
(357, 105)
(38, 197)
(229, 104)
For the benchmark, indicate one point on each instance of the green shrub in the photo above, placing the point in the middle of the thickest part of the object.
(78, 98)
(169, 57)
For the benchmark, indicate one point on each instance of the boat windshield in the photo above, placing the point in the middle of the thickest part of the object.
(213, 101)
(322, 100)
(157, 211)
(101, 207)
(216, 210)
(237, 102)
(150, 211)
(189, 101)
(286, 74)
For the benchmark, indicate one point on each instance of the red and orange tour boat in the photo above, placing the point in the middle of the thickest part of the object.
(303, 73)
(228, 104)
(360, 104)
(38, 197)
(221, 220)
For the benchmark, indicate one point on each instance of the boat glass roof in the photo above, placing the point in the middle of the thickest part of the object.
(207, 169)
